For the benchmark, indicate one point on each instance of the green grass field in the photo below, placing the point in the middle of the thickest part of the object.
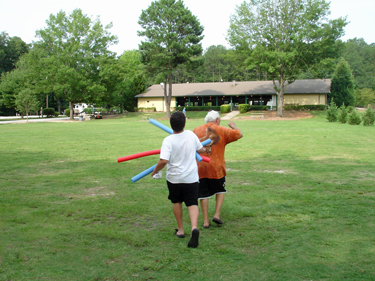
(300, 204)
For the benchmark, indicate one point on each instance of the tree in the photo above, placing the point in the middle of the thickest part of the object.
(368, 117)
(342, 114)
(172, 36)
(26, 101)
(13, 82)
(124, 78)
(331, 112)
(68, 57)
(11, 49)
(284, 37)
(342, 84)
(364, 97)
(361, 58)
(214, 60)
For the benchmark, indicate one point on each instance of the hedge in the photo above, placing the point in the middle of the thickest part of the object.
(258, 107)
(225, 108)
(305, 107)
(50, 112)
(144, 109)
(198, 108)
(243, 108)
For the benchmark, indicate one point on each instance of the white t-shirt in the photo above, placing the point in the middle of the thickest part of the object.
(180, 150)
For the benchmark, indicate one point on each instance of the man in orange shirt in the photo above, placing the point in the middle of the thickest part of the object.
(212, 174)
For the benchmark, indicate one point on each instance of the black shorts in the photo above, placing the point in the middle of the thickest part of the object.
(210, 187)
(183, 192)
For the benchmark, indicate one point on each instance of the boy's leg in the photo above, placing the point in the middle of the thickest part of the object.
(204, 208)
(194, 213)
(177, 210)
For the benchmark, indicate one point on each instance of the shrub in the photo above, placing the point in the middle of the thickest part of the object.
(368, 117)
(50, 112)
(198, 108)
(243, 108)
(343, 114)
(67, 112)
(305, 107)
(225, 108)
(56, 114)
(331, 113)
(350, 109)
(258, 107)
(354, 118)
(144, 109)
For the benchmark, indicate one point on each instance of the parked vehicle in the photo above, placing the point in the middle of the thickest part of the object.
(98, 115)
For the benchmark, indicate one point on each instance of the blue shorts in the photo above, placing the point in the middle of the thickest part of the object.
(210, 187)
(183, 192)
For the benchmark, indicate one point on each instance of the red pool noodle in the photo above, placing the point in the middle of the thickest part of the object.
(138, 155)
(205, 159)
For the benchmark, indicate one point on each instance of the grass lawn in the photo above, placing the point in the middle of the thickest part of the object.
(300, 204)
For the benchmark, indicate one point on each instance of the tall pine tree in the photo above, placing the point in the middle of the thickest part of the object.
(342, 85)
(172, 38)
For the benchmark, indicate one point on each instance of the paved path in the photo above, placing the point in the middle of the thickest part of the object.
(24, 120)
(230, 115)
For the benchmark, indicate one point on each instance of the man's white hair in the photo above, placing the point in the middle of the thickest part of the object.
(212, 116)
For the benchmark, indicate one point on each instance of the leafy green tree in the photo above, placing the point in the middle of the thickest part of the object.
(361, 58)
(124, 78)
(364, 97)
(284, 38)
(13, 82)
(214, 60)
(331, 112)
(11, 49)
(342, 84)
(26, 101)
(172, 35)
(67, 58)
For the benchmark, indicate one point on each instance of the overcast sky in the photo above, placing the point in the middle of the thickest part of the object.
(22, 18)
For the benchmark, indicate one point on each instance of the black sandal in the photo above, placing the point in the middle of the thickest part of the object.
(179, 235)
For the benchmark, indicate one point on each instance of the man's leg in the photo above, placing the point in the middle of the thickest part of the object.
(177, 210)
(204, 208)
(219, 204)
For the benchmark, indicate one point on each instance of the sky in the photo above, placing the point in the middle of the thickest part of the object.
(22, 18)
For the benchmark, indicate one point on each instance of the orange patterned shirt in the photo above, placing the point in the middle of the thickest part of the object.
(220, 137)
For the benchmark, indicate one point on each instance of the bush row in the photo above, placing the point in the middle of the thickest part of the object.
(144, 109)
(350, 115)
(198, 108)
(305, 107)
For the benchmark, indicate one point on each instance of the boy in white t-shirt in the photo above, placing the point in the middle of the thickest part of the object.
(178, 154)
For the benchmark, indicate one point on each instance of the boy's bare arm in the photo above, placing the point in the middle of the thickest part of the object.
(160, 165)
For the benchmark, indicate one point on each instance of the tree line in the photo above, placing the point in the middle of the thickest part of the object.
(270, 40)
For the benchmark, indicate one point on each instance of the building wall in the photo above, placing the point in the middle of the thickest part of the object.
(295, 99)
(310, 99)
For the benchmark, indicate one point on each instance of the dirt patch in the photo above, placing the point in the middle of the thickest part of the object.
(272, 115)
